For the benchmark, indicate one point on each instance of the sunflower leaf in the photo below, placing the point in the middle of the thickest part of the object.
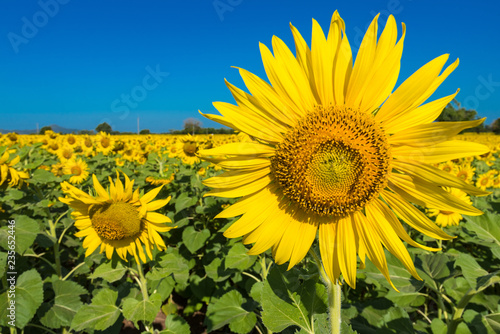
(233, 310)
(194, 240)
(175, 324)
(287, 302)
(485, 228)
(142, 310)
(27, 297)
(109, 271)
(64, 305)
(101, 314)
(470, 268)
(238, 258)
(24, 233)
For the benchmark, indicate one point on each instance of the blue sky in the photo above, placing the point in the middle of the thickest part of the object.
(79, 63)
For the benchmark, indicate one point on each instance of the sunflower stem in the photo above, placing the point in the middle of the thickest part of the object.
(144, 289)
(334, 296)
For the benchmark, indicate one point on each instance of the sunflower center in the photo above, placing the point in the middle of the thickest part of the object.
(105, 142)
(333, 162)
(115, 221)
(71, 140)
(190, 149)
(67, 154)
(88, 142)
(76, 170)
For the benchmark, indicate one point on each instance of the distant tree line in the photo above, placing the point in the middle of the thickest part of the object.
(454, 112)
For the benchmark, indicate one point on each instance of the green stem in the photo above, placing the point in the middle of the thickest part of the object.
(457, 315)
(57, 258)
(334, 296)
(143, 284)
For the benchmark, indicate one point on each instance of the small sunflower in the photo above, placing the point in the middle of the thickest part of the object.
(9, 174)
(78, 169)
(118, 219)
(334, 149)
(105, 143)
(188, 147)
(465, 172)
(160, 180)
(447, 218)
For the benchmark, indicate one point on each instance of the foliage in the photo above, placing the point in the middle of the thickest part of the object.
(204, 281)
(104, 127)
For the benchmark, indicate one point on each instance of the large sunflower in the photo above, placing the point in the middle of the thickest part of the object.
(335, 150)
(118, 219)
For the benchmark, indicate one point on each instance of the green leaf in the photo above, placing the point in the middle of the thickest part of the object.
(470, 268)
(42, 176)
(13, 194)
(3, 263)
(492, 321)
(100, 314)
(174, 263)
(27, 297)
(414, 299)
(216, 270)
(438, 326)
(237, 257)
(194, 240)
(175, 324)
(433, 267)
(485, 281)
(229, 310)
(400, 277)
(65, 304)
(25, 232)
(184, 201)
(485, 227)
(142, 310)
(287, 302)
(109, 271)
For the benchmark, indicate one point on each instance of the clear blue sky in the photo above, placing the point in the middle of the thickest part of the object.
(74, 64)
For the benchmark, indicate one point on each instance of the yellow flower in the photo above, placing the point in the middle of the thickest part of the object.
(446, 218)
(78, 168)
(465, 172)
(484, 181)
(187, 149)
(9, 174)
(118, 219)
(105, 143)
(335, 150)
(160, 180)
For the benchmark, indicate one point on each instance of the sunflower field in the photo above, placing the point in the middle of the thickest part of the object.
(180, 274)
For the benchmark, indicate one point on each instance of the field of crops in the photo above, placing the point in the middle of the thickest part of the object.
(186, 276)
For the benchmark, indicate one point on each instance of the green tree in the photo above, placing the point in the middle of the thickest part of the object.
(45, 128)
(145, 132)
(105, 127)
(454, 112)
(495, 126)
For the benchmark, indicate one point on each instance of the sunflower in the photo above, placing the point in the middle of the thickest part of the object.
(187, 149)
(9, 174)
(78, 169)
(334, 150)
(105, 143)
(465, 172)
(118, 219)
(446, 218)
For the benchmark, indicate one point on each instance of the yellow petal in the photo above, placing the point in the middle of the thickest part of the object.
(100, 190)
(413, 217)
(155, 205)
(329, 249)
(234, 179)
(346, 244)
(240, 149)
(431, 134)
(436, 176)
(448, 150)
(151, 195)
(411, 90)
(243, 190)
(427, 194)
